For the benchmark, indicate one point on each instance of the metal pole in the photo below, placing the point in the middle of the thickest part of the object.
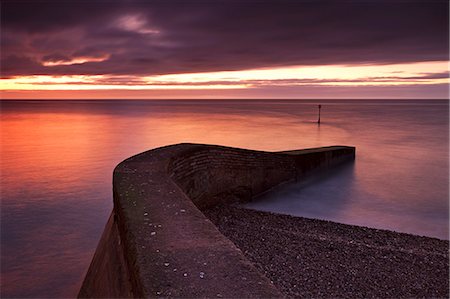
(318, 121)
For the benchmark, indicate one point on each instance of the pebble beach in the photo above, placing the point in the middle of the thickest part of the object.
(315, 258)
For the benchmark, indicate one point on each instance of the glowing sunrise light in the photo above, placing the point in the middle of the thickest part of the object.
(82, 82)
(76, 60)
(336, 73)
(423, 73)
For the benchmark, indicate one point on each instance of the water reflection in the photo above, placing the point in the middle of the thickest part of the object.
(335, 187)
(57, 160)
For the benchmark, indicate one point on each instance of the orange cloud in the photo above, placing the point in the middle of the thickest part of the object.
(75, 60)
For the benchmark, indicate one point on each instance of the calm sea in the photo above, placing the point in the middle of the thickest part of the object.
(57, 159)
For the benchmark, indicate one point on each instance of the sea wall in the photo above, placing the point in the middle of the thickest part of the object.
(157, 241)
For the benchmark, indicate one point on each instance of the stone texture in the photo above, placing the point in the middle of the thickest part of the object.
(167, 246)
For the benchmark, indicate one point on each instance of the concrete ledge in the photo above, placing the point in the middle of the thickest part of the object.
(157, 241)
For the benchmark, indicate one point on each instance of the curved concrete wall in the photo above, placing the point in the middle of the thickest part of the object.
(157, 241)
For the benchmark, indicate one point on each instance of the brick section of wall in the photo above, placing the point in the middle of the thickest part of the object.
(214, 175)
(210, 176)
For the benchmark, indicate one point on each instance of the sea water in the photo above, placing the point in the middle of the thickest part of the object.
(57, 159)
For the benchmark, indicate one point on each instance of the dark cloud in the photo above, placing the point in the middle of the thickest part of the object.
(161, 37)
(55, 57)
(427, 76)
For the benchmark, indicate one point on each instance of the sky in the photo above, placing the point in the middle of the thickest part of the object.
(219, 49)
